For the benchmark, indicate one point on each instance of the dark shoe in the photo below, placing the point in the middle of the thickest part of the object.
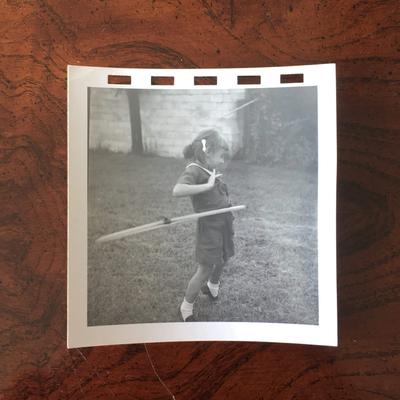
(206, 290)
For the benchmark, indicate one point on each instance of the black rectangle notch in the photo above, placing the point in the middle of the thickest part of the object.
(205, 80)
(119, 80)
(292, 78)
(162, 80)
(249, 80)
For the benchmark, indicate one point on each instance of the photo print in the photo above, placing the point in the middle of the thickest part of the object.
(202, 211)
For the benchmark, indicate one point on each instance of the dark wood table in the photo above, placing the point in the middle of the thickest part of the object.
(39, 38)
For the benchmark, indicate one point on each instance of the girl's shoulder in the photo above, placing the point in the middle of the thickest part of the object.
(196, 167)
(194, 174)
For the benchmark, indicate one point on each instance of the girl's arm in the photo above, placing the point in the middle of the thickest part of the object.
(183, 189)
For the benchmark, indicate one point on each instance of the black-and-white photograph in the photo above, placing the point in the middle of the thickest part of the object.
(202, 205)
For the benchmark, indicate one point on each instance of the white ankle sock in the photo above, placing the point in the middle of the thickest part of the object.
(186, 309)
(214, 288)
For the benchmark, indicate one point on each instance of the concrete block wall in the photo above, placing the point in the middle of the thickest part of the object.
(171, 119)
(109, 124)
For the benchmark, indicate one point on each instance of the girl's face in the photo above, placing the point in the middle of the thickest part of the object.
(218, 158)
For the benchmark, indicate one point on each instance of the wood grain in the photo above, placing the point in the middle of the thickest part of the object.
(39, 38)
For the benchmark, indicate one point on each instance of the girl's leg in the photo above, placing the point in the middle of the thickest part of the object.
(196, 282)
(212, 286)
(216, 273)
(192, 291)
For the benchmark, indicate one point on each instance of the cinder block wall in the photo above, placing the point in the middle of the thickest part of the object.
(110, 125)
(172, 118)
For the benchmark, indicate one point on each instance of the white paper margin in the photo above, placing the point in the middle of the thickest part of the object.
(78, 333)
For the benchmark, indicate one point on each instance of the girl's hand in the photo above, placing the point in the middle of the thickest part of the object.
(211, 179)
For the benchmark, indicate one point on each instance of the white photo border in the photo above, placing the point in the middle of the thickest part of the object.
(79, 334)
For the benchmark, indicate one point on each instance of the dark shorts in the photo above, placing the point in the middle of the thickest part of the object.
(214, 239)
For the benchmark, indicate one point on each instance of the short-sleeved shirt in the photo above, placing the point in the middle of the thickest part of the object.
(215, 198)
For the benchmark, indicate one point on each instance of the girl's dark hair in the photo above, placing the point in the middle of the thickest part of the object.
(195, 149)
(188, 151)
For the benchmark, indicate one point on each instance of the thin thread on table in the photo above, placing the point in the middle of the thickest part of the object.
(156, 373)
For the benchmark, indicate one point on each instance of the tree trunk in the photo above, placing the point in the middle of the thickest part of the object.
(136, 124)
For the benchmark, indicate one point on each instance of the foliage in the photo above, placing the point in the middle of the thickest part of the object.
(280, 128)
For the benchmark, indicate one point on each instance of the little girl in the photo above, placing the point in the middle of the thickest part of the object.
(214, 236)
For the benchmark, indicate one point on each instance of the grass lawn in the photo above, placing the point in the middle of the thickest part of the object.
(272, 278)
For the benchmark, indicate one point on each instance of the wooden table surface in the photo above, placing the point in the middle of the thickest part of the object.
(39, 38)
